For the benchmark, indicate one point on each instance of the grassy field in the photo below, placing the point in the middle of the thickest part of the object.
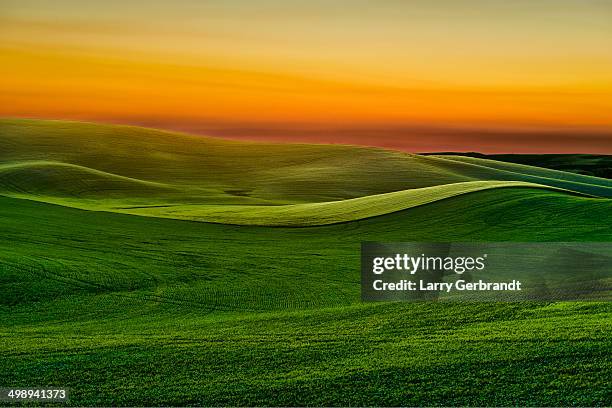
(131, 310)
(130, 166)
(588, 164)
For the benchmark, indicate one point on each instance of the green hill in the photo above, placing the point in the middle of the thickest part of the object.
(42, 178)
(157, 173)
(152, 310)
(597, 165)
(563, 179)
(225, 315)
(290, 173)
(218, 263)
(81, 187)
(330, 212)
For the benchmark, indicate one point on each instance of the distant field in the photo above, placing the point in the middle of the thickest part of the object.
(588, 164)
(152, 310)
(155, 173)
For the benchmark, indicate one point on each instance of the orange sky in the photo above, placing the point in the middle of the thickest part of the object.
(458, 75)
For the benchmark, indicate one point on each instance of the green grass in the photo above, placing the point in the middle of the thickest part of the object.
(43, 178)
(331, 212)
(215, 171)
(131, 310)
(97, 251)
(557, 178)
(290, 173)
(297, 215)
(588, 164)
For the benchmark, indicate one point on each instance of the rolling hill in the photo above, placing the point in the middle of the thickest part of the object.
(155, 173)
(331, 212)
(99, 251)
(229, 315)
(109, 287)
(597, 165)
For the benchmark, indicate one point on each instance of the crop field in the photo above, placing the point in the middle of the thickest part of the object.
(141, 267)
(588, 164)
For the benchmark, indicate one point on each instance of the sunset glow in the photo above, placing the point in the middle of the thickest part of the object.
(416, 75)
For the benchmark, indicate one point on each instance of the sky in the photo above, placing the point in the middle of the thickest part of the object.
(418, 75)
